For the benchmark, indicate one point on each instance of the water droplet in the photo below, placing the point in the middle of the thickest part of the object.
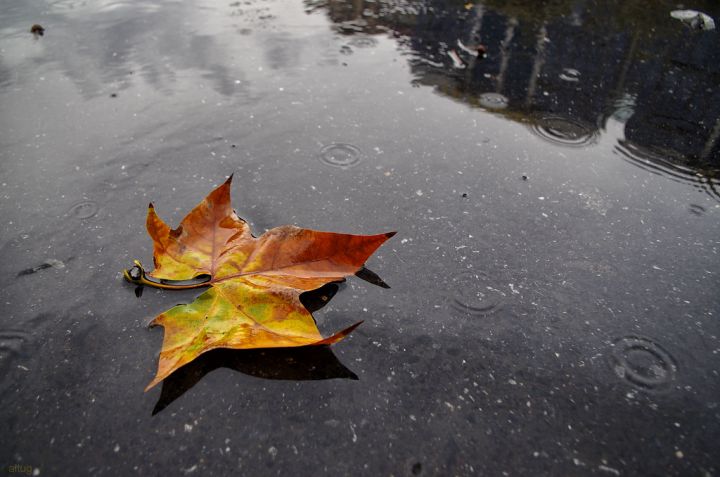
(84, 209)
(564, 131)
(643, 363)
(570, 74)
(493, 101)
(474, 293)
(340, 155)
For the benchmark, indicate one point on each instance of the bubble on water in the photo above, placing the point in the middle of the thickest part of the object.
(643, 363)
(84, 209)
(340, 155)
(564, 131)
(475, 293)
(570, 74)
(493, 101)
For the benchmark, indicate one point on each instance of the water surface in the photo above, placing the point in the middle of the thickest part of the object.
(553, 172)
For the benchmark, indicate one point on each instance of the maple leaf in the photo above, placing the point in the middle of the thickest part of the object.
(253, 300)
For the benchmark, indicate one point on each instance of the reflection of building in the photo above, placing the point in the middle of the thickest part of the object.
(572, 61)
(679, 105)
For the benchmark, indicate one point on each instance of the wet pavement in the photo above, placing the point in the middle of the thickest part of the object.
(553, 173)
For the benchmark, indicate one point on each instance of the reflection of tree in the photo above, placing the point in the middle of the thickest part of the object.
(534, 14)
(616, 50)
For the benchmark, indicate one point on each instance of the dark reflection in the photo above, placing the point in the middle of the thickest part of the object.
(565, 67)
(304, 363)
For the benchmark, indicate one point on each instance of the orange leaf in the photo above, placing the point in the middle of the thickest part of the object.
(255, 283)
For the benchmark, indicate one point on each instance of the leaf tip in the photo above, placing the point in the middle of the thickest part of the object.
(151, 206)
(152, 384)
(390, 234)
(229, 179)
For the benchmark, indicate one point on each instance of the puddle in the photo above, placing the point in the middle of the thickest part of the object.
(568, 151)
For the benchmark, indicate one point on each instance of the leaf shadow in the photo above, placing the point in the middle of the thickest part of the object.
(304, 363)
(301, 364)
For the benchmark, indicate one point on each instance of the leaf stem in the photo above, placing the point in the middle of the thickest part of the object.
(137, 276)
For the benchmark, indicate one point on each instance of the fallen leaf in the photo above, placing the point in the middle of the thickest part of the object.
(253, 300)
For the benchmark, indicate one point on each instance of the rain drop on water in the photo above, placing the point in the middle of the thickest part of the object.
(475, 293)
(84, 209)
(340, 155)
(564, 131)
(643, 362)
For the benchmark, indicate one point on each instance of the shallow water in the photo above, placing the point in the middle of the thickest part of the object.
(553, 173)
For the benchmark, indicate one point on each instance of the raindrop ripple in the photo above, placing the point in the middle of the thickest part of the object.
(84, 210)
(474, 293)
(340, 155)
(564, 131)
(643, 363)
